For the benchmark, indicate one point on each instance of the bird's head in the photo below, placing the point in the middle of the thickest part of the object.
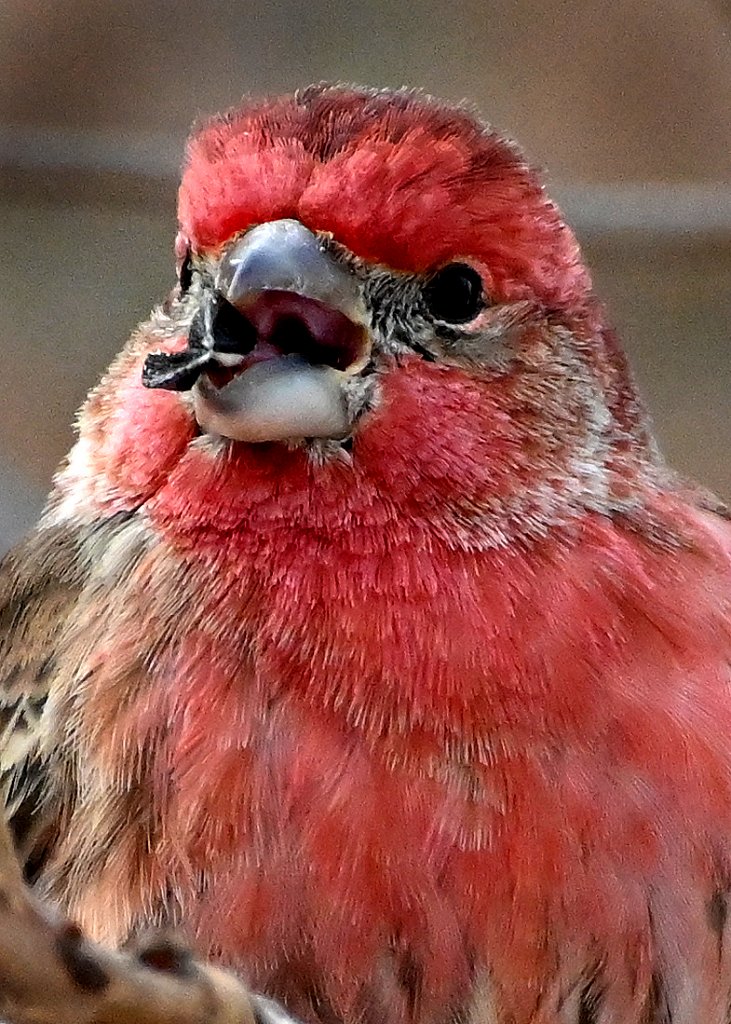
(376, 281)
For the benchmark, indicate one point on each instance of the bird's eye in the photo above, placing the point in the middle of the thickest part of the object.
(185, 275)
(454, 294)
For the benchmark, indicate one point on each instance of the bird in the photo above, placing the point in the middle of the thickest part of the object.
(367, 636)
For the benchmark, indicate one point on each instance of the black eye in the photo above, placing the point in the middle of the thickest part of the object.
(454, 294)
(186, 272)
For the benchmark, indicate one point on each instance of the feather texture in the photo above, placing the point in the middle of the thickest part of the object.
(39, 586)
(432, 728)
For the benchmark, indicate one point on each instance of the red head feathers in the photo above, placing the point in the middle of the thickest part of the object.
(398, 178)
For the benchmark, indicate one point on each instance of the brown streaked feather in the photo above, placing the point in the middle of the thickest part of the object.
(40, 581)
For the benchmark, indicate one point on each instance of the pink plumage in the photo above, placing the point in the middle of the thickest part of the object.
(429, 723)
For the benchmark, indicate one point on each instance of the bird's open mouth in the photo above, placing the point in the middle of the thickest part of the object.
(289, 383)
(278, 323)
(271, 350)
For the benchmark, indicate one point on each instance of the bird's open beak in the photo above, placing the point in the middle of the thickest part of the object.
(271, 352)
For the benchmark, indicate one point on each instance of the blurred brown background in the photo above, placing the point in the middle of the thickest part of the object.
(628, 105)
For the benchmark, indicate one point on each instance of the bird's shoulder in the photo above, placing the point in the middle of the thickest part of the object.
(40, 582)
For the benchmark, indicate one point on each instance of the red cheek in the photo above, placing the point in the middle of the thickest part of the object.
(439, 432)
(146, 434)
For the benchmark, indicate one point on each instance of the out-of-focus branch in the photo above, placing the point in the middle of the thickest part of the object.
(51, 974)
(143, 169)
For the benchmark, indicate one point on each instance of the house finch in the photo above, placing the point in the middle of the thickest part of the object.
(366, 634)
